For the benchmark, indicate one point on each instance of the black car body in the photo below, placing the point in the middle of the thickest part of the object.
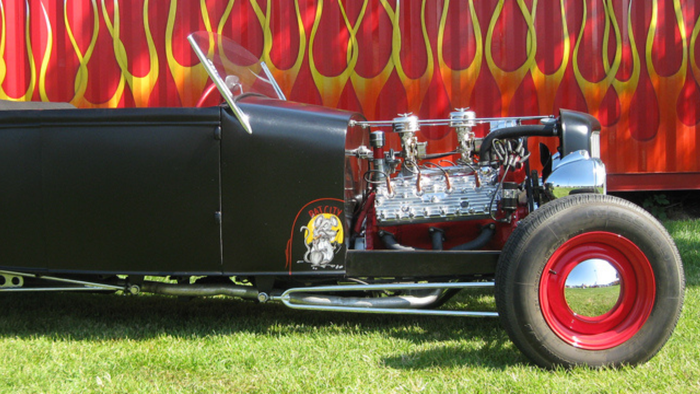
(268, 199)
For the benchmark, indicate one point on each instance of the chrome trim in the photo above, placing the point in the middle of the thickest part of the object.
(595, 144)
(592, 288)
(305, 298)
(448, 122)
(302, 298)
(87, 285)
(576, 172)
(203, 290)
(405, 301)
(51, 289)
(272, 81)
(12, 281)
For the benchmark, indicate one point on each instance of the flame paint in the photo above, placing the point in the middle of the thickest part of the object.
(331, 87)
(386, 55)
(81, 78)
(462, 90)
(30, 58)
(509, 81)
(286, 77)
(140, 86)
(546, 83)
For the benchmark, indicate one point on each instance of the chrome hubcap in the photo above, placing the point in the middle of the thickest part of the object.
(592, 288)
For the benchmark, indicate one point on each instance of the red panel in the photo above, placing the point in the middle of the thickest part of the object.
(658, 181)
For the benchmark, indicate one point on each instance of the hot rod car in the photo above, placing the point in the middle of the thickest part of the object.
(320, 209)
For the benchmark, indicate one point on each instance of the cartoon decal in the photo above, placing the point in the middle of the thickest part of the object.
(323, 237)
(317, 238)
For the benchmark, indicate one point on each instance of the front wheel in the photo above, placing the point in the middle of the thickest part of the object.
(589, 280)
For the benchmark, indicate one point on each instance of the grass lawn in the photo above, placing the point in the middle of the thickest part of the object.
(62, 343)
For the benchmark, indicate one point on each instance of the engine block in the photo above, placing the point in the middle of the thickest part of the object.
(433, 195)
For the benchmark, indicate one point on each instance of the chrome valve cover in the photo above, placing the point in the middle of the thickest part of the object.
(435, 195)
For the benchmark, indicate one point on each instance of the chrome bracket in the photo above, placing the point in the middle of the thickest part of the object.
(80, 285)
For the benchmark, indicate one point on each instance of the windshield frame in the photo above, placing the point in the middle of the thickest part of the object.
(228, 56)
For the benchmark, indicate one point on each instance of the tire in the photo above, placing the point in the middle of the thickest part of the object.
(535, 266)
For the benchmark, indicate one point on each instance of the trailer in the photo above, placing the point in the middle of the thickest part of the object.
(631, 64)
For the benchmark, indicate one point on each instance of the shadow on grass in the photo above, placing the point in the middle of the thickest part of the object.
(497, 353)
(102, 317)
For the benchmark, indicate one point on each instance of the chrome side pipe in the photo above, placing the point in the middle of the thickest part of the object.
(203, 290)
(406, 301)
(306, 299)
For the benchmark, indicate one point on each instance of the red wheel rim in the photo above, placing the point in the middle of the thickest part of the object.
(626, 318)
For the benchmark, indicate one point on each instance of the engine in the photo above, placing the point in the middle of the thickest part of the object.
(478, 190)
(430, 195)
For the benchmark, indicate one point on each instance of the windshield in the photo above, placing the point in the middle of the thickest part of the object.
(235, 71)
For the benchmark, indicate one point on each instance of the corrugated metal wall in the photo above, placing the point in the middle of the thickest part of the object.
(633, 64)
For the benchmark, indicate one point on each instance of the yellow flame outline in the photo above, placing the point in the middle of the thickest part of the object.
(509, 81)
(547, 84)
(30, 56)
(289, 76)
(594, 92)
(626, 89)
(141, 87)
(3, 41)
(667, 86)
(3, 38)
(81, 77)
(415, 93)
(190, 81)
(370, 88)
(464, 78)
(331, 87)
(46, 57)
(680, 74)
(693, 40)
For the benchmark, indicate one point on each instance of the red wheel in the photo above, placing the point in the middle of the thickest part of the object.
(589, 280)
(619, 323)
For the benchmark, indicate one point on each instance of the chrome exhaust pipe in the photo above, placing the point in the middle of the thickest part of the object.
(311, 298)
(405, 301)
(197, 290)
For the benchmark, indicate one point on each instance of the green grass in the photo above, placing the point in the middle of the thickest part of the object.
(63, 343)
